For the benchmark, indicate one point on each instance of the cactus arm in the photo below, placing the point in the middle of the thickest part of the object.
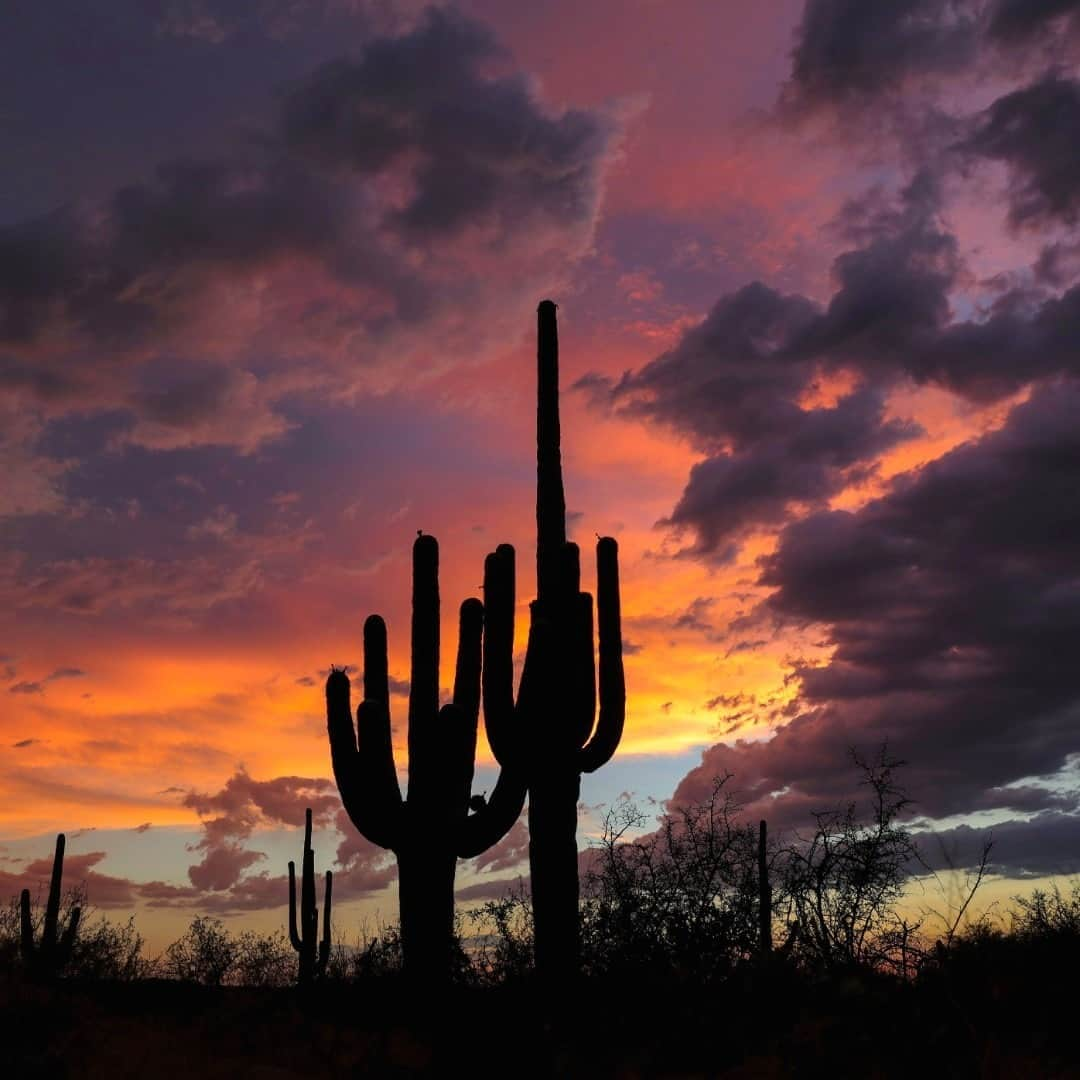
(375, 739)
(491, 823)
(488, 825)
(583, 672)
(467, 672)
(27, 927)
(467, 688)
(609, 726)
(365, 775)
(498, 653)
(424, 686)
(380, 813)
(294, 936)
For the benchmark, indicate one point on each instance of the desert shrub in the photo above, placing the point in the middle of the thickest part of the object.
(263, 960)
(1046, 913)
(11, 926)
(108, 950)
(205, 954)
(374, 954)
(502, 942)
(842, 884)
(9, 935)
(680, 900)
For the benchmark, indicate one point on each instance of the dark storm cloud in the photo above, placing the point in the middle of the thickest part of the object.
(372, 203)
(1035, 131)
(729, 386)
(487, 151)
(472, 150)
(807, 463)
(736, 384)
(892, 288)
(953, 605)
(1046, 845)
(849, 51)
(851, 54)
(120, 273)
(216, 21)
(1017, 21)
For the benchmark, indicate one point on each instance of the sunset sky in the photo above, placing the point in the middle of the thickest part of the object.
(268, 281)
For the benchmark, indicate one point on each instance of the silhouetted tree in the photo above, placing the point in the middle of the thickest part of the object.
(504, 946)
(682, 900)
(264, 960)
(842, 884)
(1046, 913)
(205, 954)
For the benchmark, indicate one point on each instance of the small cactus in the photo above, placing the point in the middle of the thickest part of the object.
(764, 891)
(50, 956)
(312, 963)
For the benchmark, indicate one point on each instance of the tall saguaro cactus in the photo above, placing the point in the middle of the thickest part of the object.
(49, 957)
(313, 955)
(561, 699)
(432, 826)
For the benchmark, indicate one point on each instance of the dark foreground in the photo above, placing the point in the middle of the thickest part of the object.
(955, 1023)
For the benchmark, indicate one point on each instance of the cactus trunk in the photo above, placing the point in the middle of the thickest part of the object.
(426, 874)
(764, 891)
(553, 869)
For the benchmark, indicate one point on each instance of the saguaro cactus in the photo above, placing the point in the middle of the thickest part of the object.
(432, 826)
(49, 957)
(313, 956)
(764, 891)
(559, 684)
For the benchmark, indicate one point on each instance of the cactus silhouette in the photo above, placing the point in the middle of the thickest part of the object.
(313, 956)
(764, 891)
(50, 956)
(558, 690)
(432, 826)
